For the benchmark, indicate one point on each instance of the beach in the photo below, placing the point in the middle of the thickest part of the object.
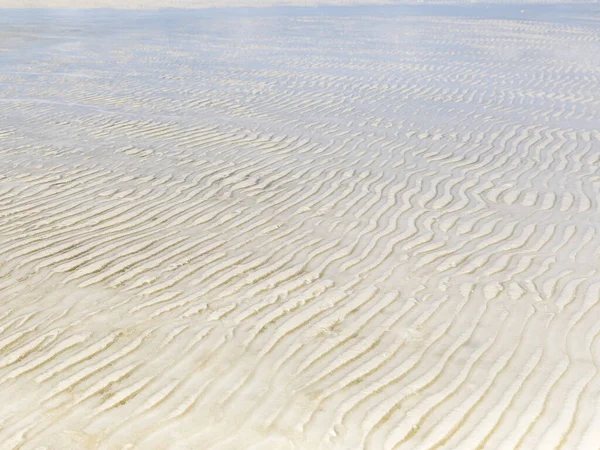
(335, 227)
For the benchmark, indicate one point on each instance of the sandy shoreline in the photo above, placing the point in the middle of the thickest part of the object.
(299, 232)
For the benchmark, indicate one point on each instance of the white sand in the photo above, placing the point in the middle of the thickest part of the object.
(311, 232)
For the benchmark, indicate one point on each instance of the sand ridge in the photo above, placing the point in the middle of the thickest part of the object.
(313, 232)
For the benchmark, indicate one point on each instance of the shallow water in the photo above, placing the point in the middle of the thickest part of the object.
(336, 228)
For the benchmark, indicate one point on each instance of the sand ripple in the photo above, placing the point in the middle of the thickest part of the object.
(307, 232)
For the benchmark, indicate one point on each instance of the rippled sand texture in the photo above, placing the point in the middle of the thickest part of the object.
(311, 229)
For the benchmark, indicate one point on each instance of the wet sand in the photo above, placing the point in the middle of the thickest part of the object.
(310, 228)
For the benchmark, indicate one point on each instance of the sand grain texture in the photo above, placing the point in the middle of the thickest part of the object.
(300, 231)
